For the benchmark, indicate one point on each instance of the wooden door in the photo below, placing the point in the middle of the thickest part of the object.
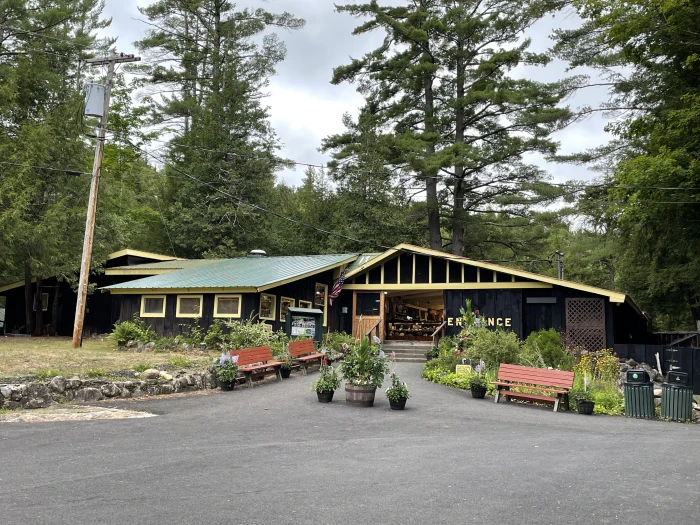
(362, 323)
(585, 323)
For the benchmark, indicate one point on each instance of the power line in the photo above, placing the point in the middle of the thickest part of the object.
(65, 171)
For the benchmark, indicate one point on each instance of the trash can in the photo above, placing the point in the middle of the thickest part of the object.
(677, 398)
(639, 395)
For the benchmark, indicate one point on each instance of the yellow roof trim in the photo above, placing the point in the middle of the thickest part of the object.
(146, 255)
(151, 291)
(16, 284)
(615, 297)
(307, 274)
(136, 271)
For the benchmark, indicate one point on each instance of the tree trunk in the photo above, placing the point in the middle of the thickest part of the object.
(458, 205)
(39, 322)
(54, 310)
(430, 175)
(28, 299)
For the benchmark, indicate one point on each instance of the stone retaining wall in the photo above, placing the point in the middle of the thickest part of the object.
(77, 390)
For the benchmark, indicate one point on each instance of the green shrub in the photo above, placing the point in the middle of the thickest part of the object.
(432, 353)
(134, 330)
(247, 334)
(95, 372)
(180, 361)
(215, 336)
(494, 347)
(334, 341)
(608, 399)
(448, 345)
(544, 349)
(141, 367)
(44, 373)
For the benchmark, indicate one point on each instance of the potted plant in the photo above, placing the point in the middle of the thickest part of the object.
(397, 393)
(584, 402)
(478, 383)
(226, 370)
(363, 369)
(328, 381)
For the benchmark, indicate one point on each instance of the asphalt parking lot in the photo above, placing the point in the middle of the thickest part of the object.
(273, 454)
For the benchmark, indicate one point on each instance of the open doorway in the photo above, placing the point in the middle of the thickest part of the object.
(413, 316)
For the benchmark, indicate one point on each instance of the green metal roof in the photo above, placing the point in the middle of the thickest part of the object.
(244, 272)
(169, 265)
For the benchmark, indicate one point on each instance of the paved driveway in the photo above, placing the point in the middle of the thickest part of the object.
(273, 454)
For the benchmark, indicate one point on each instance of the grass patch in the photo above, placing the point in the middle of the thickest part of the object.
(46, 374)
(141, 367)
(180, 361)
(29, 356)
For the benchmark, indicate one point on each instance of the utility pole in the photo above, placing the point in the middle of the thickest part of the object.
(110, 62)
(560, 264)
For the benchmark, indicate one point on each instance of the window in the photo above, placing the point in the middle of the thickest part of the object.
(367, 304)
(268, 305)
(189, 306)
(285, 304)
(305, 304)
(227, 306)
(44, 302)
(320, 294)
(152, 306)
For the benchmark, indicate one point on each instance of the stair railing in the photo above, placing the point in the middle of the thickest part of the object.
(437, 334)
(368, 335)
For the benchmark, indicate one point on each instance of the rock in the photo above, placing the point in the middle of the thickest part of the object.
(87, 395)
(164, 375)
(176, 342)
(624, 367)
(150, 346)
(657, 392)
(151, 373)
(140, 346)
(632, 363)
(190, 379)
(5, 391)
(74, 383)
(203, 347)
(110, 390)
(129, 385)
(657, 401)
(180, 384)
(137, 392)
(131, 344)
(121, 349)
(125, 393)
(185, 346)
(36, 403)
(167, 389)
(696, 399)
(18, 392)
(58, 384)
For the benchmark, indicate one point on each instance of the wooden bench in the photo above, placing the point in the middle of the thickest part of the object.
(304, 352)
(539, 379)
(257, 361)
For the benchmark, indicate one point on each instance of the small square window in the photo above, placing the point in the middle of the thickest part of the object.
(189, 306)
(44, 302)
(153, 306)
(285, 304)
(227, 306)
(305, 304)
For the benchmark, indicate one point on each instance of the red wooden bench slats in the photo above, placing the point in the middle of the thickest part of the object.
(304, 352)
(540, 376)
(259, 361)
(509, 376)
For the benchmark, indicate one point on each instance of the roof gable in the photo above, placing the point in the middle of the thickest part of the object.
(616, 297)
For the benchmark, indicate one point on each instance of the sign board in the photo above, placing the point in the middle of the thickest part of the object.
(304, 322)
(463, 369)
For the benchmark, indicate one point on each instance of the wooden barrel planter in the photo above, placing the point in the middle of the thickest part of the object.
(360, 395)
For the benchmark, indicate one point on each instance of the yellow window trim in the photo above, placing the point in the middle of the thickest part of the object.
(143, 301)
(227, 296)
(325, 301)
(306, 304)
(292, 303)
(273, 309)
(201, 306)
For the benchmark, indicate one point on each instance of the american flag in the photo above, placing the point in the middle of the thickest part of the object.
(335, 291)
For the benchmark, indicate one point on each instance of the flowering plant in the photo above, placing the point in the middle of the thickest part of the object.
(478, 380)
(397, 390)
(364, 365)
(327, 381)
(226, 367)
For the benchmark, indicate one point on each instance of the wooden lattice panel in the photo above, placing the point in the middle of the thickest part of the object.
(585, 323)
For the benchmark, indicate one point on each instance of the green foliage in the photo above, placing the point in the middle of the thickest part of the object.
(397, 390)
(477, 380)
(543, 349)
(180, 361)
(334, 341)
(494, 347)
(141, 367)
(608, 399)
(44, 373)
(327, 381)
(225, 367)
(363, 366)
(95, 372)
(215, 336)
(249, 334)
(135, 330)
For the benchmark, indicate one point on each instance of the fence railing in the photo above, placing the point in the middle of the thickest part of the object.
(375, 327)
(437, 334)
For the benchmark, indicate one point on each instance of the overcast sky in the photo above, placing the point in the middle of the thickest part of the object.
(305, 107)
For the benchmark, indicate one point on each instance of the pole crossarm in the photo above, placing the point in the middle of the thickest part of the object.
(115, 58)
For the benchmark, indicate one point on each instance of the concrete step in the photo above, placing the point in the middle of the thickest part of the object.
(408, 356)
(410, 359)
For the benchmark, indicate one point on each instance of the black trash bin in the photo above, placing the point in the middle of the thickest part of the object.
(677, 397)
(639, 395)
